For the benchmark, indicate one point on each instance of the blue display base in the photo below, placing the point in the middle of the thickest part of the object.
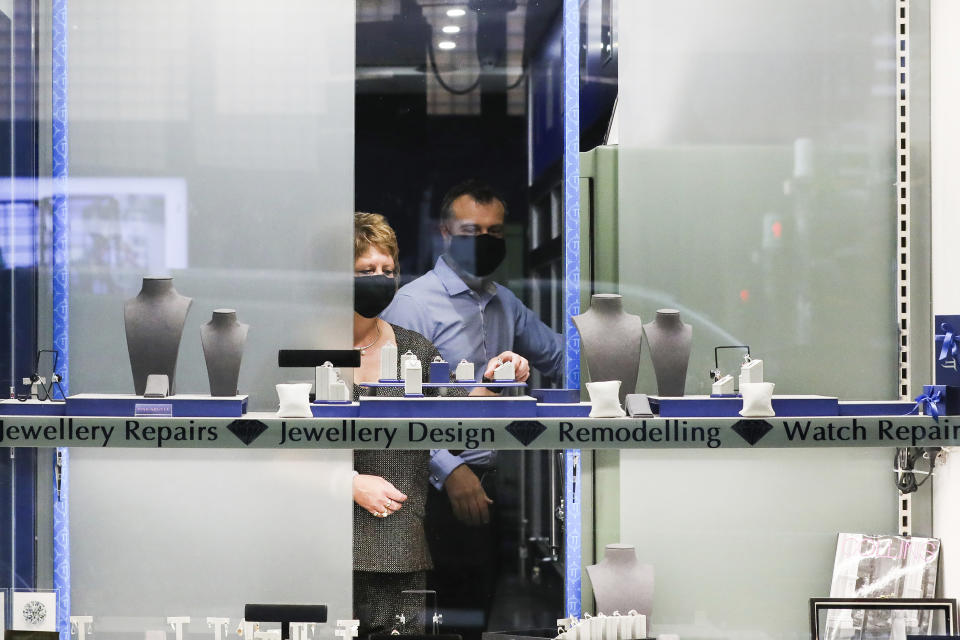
(31, 408)
(518, 407)
(876, 407)
(335, 410)
(556, 396)
(725, 395)
(445, 385)
(182, 405)
(563, 410)
(707, 407)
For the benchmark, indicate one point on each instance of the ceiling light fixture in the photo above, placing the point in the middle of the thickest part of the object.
(446, 45)
(456, 13)
(451, 28)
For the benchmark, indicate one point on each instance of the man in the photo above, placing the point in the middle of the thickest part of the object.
(467, 315)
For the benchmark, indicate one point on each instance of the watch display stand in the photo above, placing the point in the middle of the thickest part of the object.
(154, 322)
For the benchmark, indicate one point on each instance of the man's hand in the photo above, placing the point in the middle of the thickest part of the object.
(377, 495)
(469, 501)
(521, 367)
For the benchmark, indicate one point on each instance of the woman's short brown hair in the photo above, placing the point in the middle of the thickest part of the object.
(373, 230)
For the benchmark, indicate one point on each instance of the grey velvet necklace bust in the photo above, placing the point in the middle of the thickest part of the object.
(154, 325)
(669, 340)
(621, 583)
(223, 340)
(611, 339)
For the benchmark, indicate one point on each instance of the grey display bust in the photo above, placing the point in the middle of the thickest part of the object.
(154, 325)
(669, 340)
(223, 340)
(610, 338)
(621, 583)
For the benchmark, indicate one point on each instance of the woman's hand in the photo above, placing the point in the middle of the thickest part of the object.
(377, 495)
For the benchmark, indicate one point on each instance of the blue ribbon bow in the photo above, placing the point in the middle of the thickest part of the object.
(949, 342)
(929, 405)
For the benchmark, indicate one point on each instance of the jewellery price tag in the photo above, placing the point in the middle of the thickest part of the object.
(153, 410)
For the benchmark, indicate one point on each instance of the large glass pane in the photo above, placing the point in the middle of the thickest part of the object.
(757, 172)
(211, 142)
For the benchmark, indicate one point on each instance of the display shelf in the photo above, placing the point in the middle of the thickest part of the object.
(267, 430)
(393, 384)
(32, 407)
(707, 406)
(181, 405)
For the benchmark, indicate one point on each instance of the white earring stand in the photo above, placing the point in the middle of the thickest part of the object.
(78, 624)
(347, 629)
(219, 626)
(177, 623)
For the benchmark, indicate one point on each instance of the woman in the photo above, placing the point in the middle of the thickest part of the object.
(390, 552)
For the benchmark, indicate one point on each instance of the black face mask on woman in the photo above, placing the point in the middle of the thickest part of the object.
(373, 294)
(478, 255)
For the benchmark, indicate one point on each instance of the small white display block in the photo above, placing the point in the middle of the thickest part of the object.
(33, 611)
(388, 361)
(723, 386)
(326, 375)
(464, 372)
(413, 378)
(404, 359)
(505, 372)
(751, 372)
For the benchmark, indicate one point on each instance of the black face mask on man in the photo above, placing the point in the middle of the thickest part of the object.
(373, 294)
(478, 255)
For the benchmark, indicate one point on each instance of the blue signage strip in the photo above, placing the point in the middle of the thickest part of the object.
(61, 306)
(571, 292)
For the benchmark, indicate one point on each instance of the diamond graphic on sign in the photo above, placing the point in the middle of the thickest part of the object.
(247, 430)
(526, 431)
(752, 430)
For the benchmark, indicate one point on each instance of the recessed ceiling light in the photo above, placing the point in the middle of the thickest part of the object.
(451, 28)
(446, 44)
(456, 13)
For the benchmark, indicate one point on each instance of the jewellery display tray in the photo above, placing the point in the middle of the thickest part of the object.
(445, 385)
(783, 406)
(181, 405)
(32, 407)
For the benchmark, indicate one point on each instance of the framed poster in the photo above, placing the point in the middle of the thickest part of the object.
(33, 611)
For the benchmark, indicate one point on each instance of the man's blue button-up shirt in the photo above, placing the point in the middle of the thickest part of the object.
(476, 326)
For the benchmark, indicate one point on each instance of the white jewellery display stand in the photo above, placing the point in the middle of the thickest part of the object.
(219, 626)
(78, 625)
(177, 622)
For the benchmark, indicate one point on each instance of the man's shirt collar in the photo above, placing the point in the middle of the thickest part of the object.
(454, 284)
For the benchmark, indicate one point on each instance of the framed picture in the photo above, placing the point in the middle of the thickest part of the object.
(33, 611)
(948, 607)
